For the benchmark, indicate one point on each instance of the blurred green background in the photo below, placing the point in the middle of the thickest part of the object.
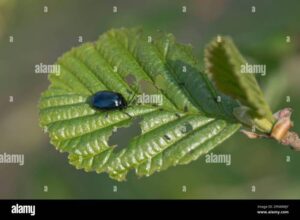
(41, 37)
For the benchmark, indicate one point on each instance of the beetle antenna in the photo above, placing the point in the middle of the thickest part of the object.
(131, 99)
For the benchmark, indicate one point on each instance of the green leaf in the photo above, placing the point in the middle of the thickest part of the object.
(223, 62)
(189, 123)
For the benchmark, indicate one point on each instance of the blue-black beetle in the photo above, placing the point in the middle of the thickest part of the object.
(108, 100)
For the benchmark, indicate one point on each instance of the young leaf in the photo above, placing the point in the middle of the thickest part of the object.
(223, 63)
(190, 122)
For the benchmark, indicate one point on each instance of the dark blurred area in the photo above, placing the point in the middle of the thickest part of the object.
(270, 35)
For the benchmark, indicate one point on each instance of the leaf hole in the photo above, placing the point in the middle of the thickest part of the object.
(122, 136)
(186, 128)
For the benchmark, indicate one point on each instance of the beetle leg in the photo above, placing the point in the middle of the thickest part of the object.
(126, 113)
